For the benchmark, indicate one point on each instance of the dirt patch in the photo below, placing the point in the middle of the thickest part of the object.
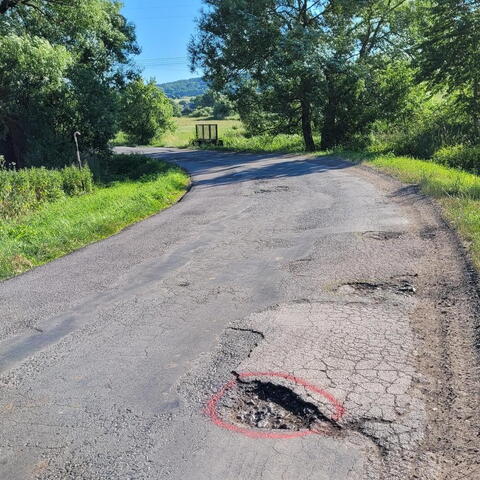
(399, 287)
(278, 188)
(383, 236)
(267, 406)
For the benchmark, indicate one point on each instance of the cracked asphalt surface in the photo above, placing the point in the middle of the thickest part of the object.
(272, 268)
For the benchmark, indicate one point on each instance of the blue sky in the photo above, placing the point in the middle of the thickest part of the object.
(164, 28)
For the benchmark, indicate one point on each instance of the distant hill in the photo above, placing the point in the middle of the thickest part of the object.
(184, 88)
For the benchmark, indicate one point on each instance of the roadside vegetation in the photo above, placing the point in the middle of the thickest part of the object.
(47, 214)
(282, 143)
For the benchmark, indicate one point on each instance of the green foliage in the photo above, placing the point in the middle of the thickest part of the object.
(234, 140)
(133, 167)
(211, 104)
(177, 109)
(76, 181)
(449, 55)
(202, 112)
(62, 64)
(430, 125)
(25, 190)
(296, 66)
(192, 87)
(459, 156)
(61, 227)
(31, 68)
(223, 108)
(146, 112)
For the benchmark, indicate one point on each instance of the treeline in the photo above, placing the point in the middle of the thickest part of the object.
(66, 66)
(211, 104)
(399, 75)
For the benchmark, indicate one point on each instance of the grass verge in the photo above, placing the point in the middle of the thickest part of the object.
(60, 227)
(234, 140)
(457, 191)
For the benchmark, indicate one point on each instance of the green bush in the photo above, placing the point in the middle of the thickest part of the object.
(132, 167)
(459, 156)
(45, 184)
(76, 181)
(202, 112)
(25, 190)
(430, 127)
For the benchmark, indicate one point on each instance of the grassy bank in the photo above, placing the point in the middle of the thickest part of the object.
(60, 227)
(457, 191)
(234, 140)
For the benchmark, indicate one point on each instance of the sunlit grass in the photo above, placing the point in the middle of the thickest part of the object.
(263, 143)
(185, 132)
(63, 226)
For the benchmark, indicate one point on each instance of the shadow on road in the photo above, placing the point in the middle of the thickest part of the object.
(224, 168)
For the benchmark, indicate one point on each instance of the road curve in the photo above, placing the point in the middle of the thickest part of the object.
(285, 280)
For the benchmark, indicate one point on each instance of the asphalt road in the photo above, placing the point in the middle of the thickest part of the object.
(311, 288)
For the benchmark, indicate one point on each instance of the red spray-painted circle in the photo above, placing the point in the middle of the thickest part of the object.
(212, 407)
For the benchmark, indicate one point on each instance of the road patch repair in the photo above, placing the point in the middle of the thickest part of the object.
(350, 372)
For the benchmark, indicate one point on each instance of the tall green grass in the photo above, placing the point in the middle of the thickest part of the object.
(457, 191)
(60, 227)
(25, 190)
(233, 140)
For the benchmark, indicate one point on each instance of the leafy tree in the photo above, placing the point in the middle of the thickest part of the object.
(6, 5)
(32, 71)
(146, 112)
(223, 108)
(449, 55)
(212, 103)
(176, 108)
(305, 63)
(99, 42)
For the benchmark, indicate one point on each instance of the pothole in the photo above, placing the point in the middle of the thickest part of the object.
(428, 233)
(299, 265)
(260, 409)
(278, 188)
(400, 287)
(382, 236)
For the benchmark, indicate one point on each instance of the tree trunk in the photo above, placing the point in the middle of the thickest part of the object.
(329, 127)
(334, 129)
(476, 110)
(14, 145)
(307, 126)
